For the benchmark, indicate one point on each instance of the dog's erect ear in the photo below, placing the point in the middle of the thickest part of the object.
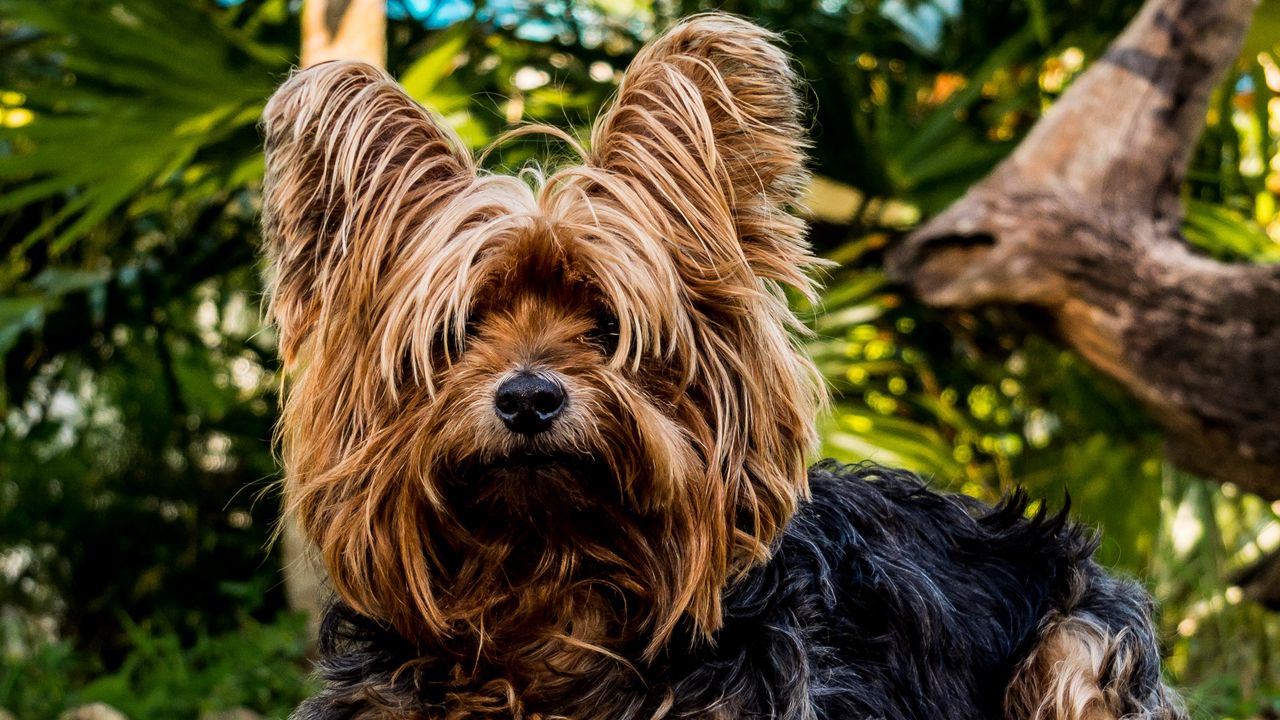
(707, 122)
(703, 151)
(351, 162)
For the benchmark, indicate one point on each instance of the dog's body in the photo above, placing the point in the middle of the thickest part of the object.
(550, 437)
(883, 600)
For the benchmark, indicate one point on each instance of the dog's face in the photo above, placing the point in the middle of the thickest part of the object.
(565, 403)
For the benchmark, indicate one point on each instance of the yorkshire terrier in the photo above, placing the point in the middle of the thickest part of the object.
(549, 435)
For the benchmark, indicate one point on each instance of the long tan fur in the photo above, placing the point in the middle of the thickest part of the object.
(406, 285)
(1080, 670)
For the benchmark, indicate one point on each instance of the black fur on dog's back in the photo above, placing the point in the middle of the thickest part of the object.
(883, 600)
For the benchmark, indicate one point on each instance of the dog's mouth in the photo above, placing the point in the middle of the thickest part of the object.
(530, 483)
(526, 463)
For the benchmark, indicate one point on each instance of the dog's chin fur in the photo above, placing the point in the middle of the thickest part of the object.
(518, 483)
(522, 572)
(548, 497)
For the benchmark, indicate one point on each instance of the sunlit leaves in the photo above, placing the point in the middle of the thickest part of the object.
(1227, 234)
(145, 87)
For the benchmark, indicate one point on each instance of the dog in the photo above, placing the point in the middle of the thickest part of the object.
(549, 434)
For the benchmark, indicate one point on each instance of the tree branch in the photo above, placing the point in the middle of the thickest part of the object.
(1083, 220)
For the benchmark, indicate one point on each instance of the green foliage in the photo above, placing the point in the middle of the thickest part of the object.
(1227, 643)
(138, 386)
(148, 93)
(259, 667)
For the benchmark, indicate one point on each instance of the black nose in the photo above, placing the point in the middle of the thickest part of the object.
(528, 403)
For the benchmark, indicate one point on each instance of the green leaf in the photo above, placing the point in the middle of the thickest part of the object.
(17, 315)
(941, 124)
(61, 281)
(443, 55)
(1039, 21)
(1227, 234)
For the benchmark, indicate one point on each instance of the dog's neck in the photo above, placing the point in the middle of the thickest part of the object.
(536, 648)
(544, 612)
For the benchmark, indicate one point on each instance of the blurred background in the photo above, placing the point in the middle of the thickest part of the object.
(140, 384)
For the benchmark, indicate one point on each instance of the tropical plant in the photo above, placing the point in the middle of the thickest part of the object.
(260, 668)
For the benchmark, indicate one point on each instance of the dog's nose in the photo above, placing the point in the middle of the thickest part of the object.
(528, 403)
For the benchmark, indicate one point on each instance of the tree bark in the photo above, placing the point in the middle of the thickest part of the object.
(1083, 219)
(331, 30)
(344, 30)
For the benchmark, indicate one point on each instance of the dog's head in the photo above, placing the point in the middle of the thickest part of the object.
(536, 400)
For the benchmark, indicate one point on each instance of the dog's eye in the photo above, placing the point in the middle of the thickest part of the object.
(604, 334)
(445, 340)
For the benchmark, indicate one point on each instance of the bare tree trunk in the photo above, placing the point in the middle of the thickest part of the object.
(344, 30)
(305, 585)
(1084, 220)
(331, 30)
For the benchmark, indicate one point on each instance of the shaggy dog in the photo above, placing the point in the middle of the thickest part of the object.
(549, 435)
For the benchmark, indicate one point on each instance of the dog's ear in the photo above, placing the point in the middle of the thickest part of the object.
(703, 151)
(707, 122)
(351, 162)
